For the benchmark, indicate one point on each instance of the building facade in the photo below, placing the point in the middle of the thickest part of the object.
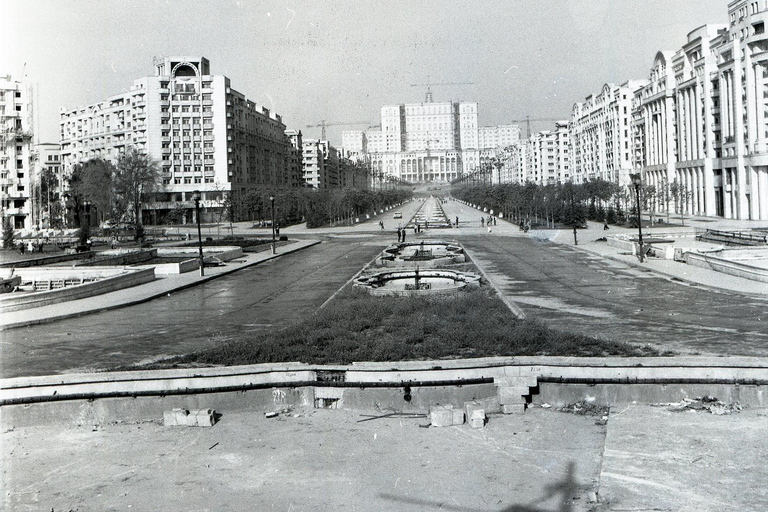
(204, 134)
(701, 123)
(426, 142)
(16, 154)
(601, 134)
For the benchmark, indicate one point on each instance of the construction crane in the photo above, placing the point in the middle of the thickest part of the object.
(429, 85)
(528, 120)
(322, 124)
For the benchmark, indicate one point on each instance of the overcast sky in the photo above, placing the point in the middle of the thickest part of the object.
(342, 60)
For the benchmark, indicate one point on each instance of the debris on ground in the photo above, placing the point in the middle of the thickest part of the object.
(701, 403)
(395, 414)
(586, 408)
(272, 414)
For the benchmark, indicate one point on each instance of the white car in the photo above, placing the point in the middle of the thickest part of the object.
(398, 215)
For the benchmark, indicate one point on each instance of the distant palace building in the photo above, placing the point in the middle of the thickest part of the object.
(425, 142)
(206, 136)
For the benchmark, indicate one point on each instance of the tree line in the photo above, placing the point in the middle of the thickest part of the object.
(571, 204)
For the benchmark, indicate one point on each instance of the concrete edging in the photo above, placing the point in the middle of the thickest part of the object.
(693, 370)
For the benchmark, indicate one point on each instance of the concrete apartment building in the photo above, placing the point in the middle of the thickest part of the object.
(424, 142)
(543, 158)
(741, 192)
(205, 135)
(16, 153)
(601, 134)
(702, 121)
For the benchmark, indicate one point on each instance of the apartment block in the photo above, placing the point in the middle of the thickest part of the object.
(602, 134)
(204, 134)
(17, 154)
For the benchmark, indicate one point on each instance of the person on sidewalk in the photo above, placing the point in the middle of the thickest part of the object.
(605, 226)
(399, 234)
(482, 222)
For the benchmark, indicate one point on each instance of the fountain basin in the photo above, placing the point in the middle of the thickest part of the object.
(421, 254)
(416, 282)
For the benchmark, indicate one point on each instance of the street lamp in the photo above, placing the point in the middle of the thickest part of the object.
(637, 181)
(272, 202)
(196, 196)
(87, 228)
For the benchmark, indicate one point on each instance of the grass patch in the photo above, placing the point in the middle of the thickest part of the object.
(358, 327)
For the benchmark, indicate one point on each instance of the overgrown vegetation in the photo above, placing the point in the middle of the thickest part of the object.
(358, 327)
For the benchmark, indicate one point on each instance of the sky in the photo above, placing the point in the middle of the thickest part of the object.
(341, 60)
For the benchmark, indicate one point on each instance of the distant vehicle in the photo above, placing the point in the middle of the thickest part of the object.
(398, 215)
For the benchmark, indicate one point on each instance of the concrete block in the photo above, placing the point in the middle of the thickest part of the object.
(513, 408)
(512, 395)
(441, 416)
(489, 405)
(201, 418)
(194, 418)
(520, 380)
(477, 420)
(175, 417)
(457, 417)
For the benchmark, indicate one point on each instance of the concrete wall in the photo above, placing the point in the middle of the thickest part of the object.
(729, 267)
(420, 398)
(223, 253)
(110, 279)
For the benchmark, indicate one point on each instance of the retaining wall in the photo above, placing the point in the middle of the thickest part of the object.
(406, 386)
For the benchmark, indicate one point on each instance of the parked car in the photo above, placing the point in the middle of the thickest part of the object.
(398, 215)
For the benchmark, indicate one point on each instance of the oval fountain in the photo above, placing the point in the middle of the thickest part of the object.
(422, 254)
(416, 282)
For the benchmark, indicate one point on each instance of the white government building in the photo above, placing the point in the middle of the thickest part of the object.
(426, 142)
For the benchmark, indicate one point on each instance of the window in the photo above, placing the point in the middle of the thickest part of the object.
(177, 181)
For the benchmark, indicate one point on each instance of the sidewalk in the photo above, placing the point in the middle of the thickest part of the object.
(142, 293)
(683, 236)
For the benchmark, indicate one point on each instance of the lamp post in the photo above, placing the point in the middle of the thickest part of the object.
(637, 181)
(272, 202)
(86, 229)
(196, 197)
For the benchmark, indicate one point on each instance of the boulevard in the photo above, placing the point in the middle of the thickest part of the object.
(556, 283)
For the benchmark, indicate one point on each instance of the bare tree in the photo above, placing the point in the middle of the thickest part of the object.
(137, 176)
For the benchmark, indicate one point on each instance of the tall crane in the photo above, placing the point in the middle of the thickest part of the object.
(429, 85)
(528, 120)
(323, 124)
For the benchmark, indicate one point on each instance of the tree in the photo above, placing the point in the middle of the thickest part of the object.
(136, 177)
(92, 181)
(7, 233)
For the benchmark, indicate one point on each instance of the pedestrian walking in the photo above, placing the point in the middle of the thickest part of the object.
(457, 221)
(494, 221)
(399, 234)
(605, 226)
(403, 235)
(482, 222)
(381, 223)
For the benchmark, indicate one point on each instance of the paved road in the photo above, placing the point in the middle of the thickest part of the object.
(576, 291)
(270, 294)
